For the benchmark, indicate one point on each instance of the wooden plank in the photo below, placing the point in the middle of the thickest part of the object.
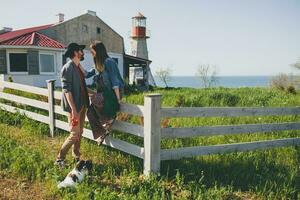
(228, 111)
(118, 144)
(152, 133)
(26, 88)
(109, 141)
(227, 130)
(32, 115)
(132, 109)
(122, 126)
(58, 95)
(2, 69)
(50, 86)
(173, 154)
(24, 100)
(62, 125)
(59, 110)
(125, 107)
(133, 129)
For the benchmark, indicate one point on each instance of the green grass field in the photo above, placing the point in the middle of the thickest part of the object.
(27, 153)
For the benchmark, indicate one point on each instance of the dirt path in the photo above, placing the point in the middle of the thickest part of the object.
(13, 189)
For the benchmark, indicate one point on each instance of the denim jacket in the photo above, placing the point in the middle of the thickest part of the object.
(111, 74)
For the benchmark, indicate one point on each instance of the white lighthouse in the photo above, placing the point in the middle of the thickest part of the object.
(139, 36)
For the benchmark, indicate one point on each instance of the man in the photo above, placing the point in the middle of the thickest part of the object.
(74, 101)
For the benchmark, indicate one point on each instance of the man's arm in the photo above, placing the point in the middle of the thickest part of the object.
(66, 80)
(70, 100)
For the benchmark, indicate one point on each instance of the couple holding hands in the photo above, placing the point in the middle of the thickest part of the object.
(105, 101)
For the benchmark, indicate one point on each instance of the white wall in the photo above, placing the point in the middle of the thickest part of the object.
(88, 62)
(33, 80)
(40, 79)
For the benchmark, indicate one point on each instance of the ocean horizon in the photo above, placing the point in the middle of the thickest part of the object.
(222, 81)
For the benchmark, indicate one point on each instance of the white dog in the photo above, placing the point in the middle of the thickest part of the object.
(81, 169)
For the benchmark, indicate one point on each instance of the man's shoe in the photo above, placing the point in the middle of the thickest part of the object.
(60, 163)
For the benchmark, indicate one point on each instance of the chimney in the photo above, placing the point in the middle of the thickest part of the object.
(5, 30)
(90, 12)
(61, 17)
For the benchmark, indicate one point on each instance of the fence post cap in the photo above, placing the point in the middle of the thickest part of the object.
(50, 80)
(153, 95)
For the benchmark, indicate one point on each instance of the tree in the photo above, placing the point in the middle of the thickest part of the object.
(297, 64)
(281, 81)
(164, 75)
(207, 74)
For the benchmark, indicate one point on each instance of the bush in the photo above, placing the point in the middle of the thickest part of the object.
(180, 101)
(281, 82)
(223, 99)
(291, 89)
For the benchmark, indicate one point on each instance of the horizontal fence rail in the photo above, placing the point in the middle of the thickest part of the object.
(25, 88)
(32, 115)
(152, 132)
(173, 154)
(228, 111)
(228, 129)
(122, 126)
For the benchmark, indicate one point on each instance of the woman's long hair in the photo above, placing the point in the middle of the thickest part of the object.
(101, 55)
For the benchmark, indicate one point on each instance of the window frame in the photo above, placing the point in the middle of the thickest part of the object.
(98, 30)
(8, 52)
(54, 62)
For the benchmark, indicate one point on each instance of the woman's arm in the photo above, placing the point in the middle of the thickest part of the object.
(90, 92)
(117, 92)
(89, 73)
(114, 76)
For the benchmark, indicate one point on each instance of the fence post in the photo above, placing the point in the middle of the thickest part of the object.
(51, 85)
(2, 82)
(152, 133)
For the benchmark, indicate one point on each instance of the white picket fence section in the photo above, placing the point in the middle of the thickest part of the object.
(152, 132)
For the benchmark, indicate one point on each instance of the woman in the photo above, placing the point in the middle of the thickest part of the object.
(106, 101)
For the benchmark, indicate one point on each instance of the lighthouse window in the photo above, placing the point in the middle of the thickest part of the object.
(98, 30)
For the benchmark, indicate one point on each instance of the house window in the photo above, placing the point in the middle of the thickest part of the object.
(85, 28)
(98, 30)
(47, 63)
(18, 62)
(64, 59)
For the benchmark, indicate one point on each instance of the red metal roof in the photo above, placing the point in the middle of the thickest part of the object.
(33, 39)
(16, 33)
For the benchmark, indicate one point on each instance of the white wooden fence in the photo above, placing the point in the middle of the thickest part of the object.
(152, 131)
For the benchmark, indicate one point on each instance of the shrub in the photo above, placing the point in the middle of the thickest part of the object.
(291, 89)
(281, 82)
(180, 101)
(223, 99)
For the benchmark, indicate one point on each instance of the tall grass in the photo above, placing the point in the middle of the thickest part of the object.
(263, 174)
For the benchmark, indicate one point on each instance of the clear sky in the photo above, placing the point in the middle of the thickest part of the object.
(241, 37)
